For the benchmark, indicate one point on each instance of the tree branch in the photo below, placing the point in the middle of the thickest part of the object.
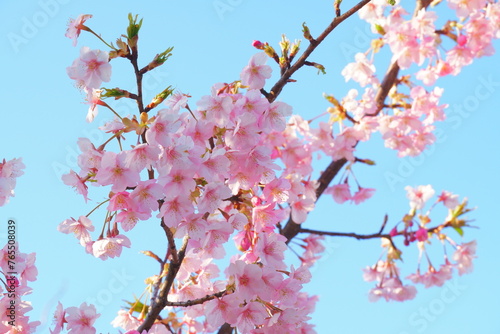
(162, 300)
(198, 300)
(278, 87)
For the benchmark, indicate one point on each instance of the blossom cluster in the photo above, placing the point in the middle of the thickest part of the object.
(407, 122)
(14, 289)
(240, 164)
(389, 285)
(215, 177)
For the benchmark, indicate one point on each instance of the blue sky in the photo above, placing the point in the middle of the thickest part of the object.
(42, 117)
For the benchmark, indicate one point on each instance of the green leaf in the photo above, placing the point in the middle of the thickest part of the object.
(459, 231)
(307, 33)
(114, 92)
(391, 2)
(133, 27)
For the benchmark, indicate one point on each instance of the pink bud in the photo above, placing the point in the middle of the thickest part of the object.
(421, 234)
(461, 40)
(394, 232)
(258, 45)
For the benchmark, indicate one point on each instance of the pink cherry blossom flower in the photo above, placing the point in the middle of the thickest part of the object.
(301, 208)
(193, 226)
(418, 196)
(277, 190)
(90, 158)
(113, 126)
(129, 219)
(110, 246)
(266, 216)
(80, 228)
(9, 171)
(340, 192)
(362, 195)
(91, 69)
(270, 248)
(212, 197)
(464, 254)
(179, 181)
(126, 321)
(30, 272)
(244, 134)
(120, 201)
(80, 320)
(177, 101)
(74, 180)
(372, 10)
(344, 143)
(362, 71)
(247, 277)
(93, 99)
(274, 118)
(250, 316)
(449, 200)
(216, 109)
(252, 102)
(464, 8)
(312, 248)
(59, 319)
(114, 172)
(164, 126)
(254, 75)
(76, 26)
(220, 310)
(433, 277)
(146, 195)
(12, 168)
(287, 292)
(142, 156)
(174, 209)
(392, 289)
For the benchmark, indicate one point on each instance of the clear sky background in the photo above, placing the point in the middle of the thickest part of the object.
(42, 116)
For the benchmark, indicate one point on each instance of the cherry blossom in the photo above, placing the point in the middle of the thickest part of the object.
(76, 26)
(80, 319)
(362, 195)
(113, 171)
(255, 73)
(341, 192)
(91, 69)
(463, 256)
(74, 180)
(9, 171)
(110, 246)
(362, 71)
(418, 196)
(59, 319)
(80, 228)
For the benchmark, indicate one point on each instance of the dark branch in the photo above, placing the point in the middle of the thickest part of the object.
(198, 300)
(277, 88)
